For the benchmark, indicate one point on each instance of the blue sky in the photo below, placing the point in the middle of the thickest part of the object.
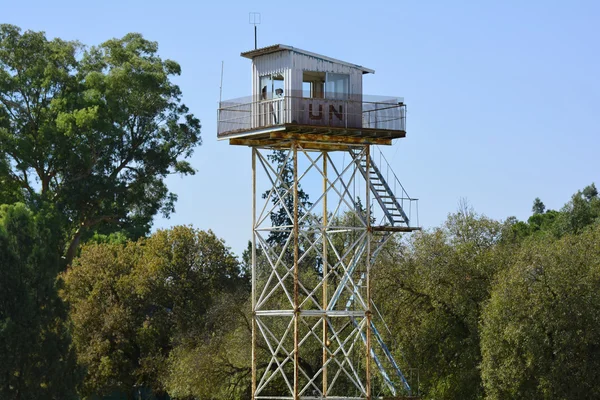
(502, 95)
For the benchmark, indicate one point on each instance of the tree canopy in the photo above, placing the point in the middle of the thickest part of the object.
(133, 304)
(540, 333)
(93, 131)
(37, 359)
(87, 138)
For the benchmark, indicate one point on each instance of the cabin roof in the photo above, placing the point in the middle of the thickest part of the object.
(282, 47)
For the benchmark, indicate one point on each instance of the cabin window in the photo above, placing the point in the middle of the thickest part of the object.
(337, 86)
(320, 85)
(313, 84)
(271, 86)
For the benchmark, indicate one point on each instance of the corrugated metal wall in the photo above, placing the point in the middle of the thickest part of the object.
(303, 62)
(273, 63)
(292, 65)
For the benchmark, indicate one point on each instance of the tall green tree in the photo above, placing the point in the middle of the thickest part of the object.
(581, 211)
(37, 359)
(94, 131)
(283, 197)
(429, 289)
(540, 329)
(538, 206)
(132, 304)
(217, 364)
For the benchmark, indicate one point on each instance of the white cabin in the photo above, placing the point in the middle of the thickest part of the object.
(300, 91)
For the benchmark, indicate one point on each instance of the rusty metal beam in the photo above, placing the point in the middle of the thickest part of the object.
(338, 139)
(386, 228)
(254, 142)
(324, 146)
(342, 131)
(321, 134)
(286, 144)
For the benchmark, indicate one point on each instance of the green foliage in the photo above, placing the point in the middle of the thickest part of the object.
(580, 212)
(538, 207)
(216, 364)
(583, 210)
(540, 329)
(498, 310)
(99, 129)
(431, 288)
(284, 190)
(132, 304)
(37, 361)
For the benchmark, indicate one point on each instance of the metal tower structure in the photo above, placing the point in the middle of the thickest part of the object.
(313, 327)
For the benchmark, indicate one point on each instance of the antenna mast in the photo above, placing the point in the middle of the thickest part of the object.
(254, 19)
(221, 87)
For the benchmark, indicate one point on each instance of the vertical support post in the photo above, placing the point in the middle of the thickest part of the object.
(325, 270)
(253, 272)
(368, 271)
(296, 288)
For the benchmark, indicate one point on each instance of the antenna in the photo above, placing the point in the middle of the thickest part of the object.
(221, 87)
(254, 19)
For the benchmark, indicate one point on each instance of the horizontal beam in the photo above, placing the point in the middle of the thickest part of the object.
(323, 146)
(346, 131)
(387, 228)
(328, 398)
(284, 144)
(311, 313)
(325, 138)
(253, 142)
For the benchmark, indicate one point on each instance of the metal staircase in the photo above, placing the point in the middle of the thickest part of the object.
(396, 220)
(393, 207)
(386, 351)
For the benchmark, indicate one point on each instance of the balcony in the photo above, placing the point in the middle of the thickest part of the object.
(357, 116)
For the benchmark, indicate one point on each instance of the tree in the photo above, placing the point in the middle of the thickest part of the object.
(94, 134)
(283, 197)
(430, 288)
(538, 206)
(575, 216)
(540, 332)
(217, 364)
(37, 359)
(583, 210)
(133, 303)
(590, 192)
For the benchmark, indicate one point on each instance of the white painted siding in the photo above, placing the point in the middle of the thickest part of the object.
(292, 65)
(303, 62)
(273, 63)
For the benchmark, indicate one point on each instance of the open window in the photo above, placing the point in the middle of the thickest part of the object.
(313, 84)
(271, 86)
(320, 85)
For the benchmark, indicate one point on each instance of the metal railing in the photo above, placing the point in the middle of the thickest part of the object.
(409, 204)
(352, 112)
